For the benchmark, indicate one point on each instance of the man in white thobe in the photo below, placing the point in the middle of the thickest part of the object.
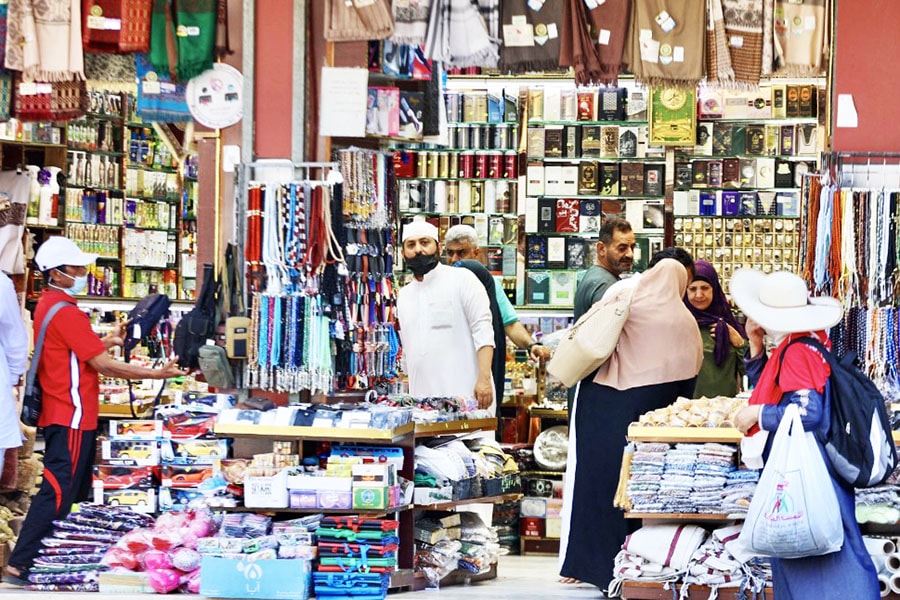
(445, 323)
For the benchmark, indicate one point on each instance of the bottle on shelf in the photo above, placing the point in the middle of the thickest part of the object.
(32, 213)
(54, 194)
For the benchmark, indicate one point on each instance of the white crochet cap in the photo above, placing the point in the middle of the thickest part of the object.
(419, 228)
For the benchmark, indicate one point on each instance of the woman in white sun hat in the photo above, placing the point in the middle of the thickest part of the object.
(779, 305)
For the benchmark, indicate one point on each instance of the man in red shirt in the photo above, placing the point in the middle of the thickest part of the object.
(72, 359)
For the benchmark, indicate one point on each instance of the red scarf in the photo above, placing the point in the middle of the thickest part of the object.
(803, 368)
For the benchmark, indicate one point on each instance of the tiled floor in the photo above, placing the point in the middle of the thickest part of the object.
(519, 578)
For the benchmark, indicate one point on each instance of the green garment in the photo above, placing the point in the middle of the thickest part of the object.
(591, 288)
(718, 381)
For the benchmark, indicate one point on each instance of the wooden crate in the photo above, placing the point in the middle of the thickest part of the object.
(535, 546)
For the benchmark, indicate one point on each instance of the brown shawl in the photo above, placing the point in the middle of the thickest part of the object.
(594, 40)
(577, 49)
(543, 27)
(675, 57)
(718, 59)
(800, 37)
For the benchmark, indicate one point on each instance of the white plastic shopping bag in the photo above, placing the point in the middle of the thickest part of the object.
(794, 511)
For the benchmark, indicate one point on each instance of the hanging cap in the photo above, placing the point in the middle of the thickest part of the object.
(419, 228)
(58, 251)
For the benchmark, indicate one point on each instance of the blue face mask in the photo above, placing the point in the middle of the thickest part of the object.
(79, 284)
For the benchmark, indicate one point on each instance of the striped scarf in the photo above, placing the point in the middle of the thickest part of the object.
(410, 21)
(718, 59)
(744, 31)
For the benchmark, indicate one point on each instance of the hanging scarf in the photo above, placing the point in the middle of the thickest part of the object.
(577, 49)
(717, 314)
(44, 39)
(4, 18)
(672, 58)
(195, 31)
(611, 16)
(410, 21)
(458, 35)
(535, 45)
(116, 25)
(800, 40)
(718, 59)
(744, 32)
(162, 37)
(223, 42)
(117, 69)
(768, 49)
(803, 369)
(166, 101)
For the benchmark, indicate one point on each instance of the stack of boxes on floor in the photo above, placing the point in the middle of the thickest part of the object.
(539, 511)
(356, 556)
(177, 452)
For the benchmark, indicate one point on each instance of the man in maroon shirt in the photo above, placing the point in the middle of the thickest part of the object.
(72, 359)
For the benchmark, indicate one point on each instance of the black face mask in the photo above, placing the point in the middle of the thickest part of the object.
(420, 264)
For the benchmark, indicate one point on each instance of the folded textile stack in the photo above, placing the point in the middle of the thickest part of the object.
(71, 558)
(647, 467)
(656, 553)
(357, 544)
(675, 489)
(689, 555)
(739, 487)
(714, 463)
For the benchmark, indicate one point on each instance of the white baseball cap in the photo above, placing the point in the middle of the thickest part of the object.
(58, 251)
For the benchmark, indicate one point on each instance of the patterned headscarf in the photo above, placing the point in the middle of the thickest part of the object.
(718, 312)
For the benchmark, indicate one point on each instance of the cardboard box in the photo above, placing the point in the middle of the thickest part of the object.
(552, 527)
(135, 429)
(530, 527)
(130, 452)
(142, 501)
(125, 583)
(283, 579)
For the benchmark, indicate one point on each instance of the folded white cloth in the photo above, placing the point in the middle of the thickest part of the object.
(670, 545)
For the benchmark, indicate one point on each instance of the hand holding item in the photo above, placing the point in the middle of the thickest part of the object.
(171, 369)
(116, 337)
(539, 352)
(746, 418)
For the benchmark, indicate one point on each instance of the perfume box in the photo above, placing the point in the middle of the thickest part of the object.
(575, 253)
(609, 179)
(632, 178)
(590, 141)
(546, 215)
(537, 287)
(536, 252)
(567, 215)
(556, 252)
(654, 179)
(588, 178)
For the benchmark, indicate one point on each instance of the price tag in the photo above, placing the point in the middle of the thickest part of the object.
(603, 38)
(112, 24)
(151, 87)
(193, 31)
(27, 88)
(96, 22)
(43, 88)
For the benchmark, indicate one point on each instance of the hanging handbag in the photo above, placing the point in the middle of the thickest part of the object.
(358, 20)
(593, 338)
(794, 511)
(32, 399)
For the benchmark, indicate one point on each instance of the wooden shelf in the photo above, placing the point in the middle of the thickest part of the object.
(375, 514)
(449, 427)
(323, 434)
(548, 413)
(482, 500)
(685, 516)
(722, 435)
(535, 546)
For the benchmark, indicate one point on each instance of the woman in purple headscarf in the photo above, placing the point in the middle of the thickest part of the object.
(723, 336)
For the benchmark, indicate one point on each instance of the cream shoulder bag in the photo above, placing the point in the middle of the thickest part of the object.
(592, 339)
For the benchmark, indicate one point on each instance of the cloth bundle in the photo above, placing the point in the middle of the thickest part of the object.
(463, 33)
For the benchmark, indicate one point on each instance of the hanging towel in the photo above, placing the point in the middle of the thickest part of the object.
(718, 59)
(162, 37)
(410, 21)
(670, 53)
(164, 102)
(744, 31)
(44, 39)
(534, 45)
(195, 33)
(4, 17)
(800, 40)
(458, 35)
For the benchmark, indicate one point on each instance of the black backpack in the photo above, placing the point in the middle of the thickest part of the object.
(145, 315)
(859, 439)
(199, 324)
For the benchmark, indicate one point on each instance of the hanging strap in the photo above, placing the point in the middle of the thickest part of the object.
(31, 376)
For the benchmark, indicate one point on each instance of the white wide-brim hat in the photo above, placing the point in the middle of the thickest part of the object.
(780, 302)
